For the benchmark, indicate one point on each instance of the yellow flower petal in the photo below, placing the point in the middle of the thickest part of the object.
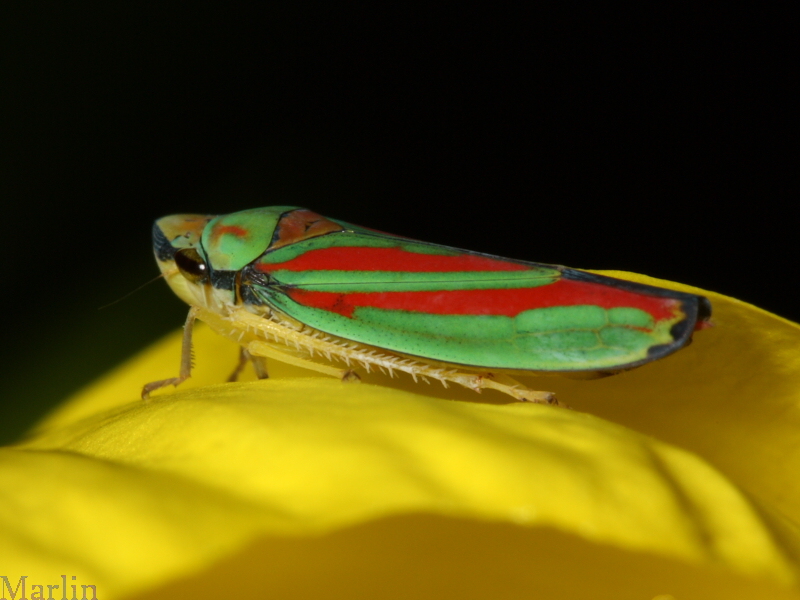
(306, 478)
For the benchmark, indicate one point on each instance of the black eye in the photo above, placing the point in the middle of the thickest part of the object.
(191, 265)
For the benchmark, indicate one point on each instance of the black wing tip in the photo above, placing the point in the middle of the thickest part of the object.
(697, 311)
(703, 309)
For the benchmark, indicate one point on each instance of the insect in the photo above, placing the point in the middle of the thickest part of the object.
(290, 284)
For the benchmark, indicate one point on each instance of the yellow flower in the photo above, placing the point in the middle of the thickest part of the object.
(676, 480)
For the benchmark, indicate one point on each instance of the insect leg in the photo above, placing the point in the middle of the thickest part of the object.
(259, 349)
(501, 383)
(186, 358)
(350, 376)
(259, 364)
(237, 370)
(510, 386)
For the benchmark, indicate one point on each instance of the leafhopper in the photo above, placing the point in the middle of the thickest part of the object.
(289, 284)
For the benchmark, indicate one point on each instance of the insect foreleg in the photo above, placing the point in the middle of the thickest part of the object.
(186, 358)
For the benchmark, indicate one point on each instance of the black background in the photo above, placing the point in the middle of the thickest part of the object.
(656, 141)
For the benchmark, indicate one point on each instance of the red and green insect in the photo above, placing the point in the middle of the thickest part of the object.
(288, 283)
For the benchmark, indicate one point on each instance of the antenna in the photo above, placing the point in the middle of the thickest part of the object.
(132, 292)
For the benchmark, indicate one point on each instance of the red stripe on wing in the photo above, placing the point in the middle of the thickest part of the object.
(353, 258)
(507, 302)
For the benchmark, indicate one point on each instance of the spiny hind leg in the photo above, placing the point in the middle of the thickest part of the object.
(520, 392)
(501, 383)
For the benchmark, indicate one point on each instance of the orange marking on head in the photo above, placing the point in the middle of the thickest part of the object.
(234, 230)
(231, 229)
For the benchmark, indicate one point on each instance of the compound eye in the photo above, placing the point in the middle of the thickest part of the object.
(191, 265)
